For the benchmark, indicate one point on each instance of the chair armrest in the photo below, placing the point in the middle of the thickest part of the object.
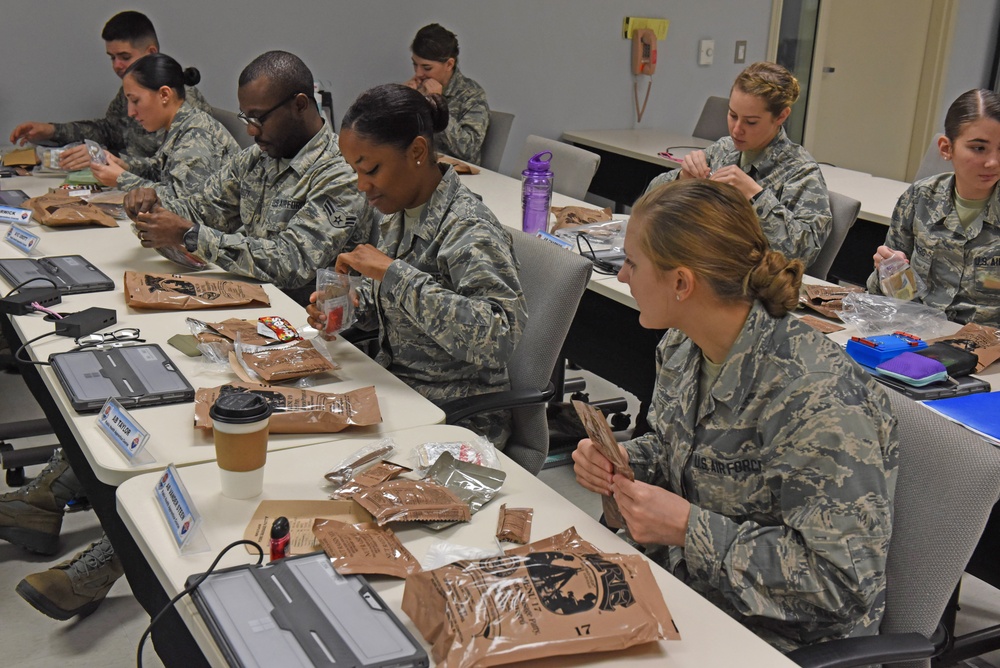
(867, 651)
(459, 409)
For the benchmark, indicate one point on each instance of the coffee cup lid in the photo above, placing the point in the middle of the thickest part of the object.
(240, 408)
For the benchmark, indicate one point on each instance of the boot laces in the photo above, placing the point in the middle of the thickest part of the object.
(93, 558)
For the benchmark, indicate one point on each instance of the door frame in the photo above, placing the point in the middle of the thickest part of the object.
(937, 53)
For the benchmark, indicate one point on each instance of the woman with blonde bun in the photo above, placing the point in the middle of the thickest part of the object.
(767, 478)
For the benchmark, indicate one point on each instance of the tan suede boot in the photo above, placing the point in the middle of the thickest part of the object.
(31, 516)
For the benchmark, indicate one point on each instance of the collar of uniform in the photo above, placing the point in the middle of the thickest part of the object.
(767, 158)
(733, 383)
(455, 82)
(183, 116)
(439, 202)
(321, 143)
(938, 189)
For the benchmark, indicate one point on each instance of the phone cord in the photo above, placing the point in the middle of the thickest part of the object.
(639, 111)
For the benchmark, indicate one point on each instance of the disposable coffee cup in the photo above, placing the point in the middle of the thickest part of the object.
(239, 422)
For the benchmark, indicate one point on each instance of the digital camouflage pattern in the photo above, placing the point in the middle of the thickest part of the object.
(468, 119)
(793, 208)
(450, 309)
(278, 221)
(119, 133)
(195, 147)
(961, 266)
(790, 466)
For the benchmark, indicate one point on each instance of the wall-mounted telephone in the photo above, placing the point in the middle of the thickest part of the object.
(644, 52)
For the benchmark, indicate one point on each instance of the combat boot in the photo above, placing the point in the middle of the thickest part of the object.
(74, 587)
(31, 516)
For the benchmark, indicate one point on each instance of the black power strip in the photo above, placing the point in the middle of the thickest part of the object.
(20, 303)
(86, 322)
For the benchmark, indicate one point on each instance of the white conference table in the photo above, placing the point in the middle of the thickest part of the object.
(297, 474)
(173, 436)
(877, 195)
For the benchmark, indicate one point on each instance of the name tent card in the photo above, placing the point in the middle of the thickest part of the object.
(183, 519)
(21, 239)
(124, 432)
(12, 214)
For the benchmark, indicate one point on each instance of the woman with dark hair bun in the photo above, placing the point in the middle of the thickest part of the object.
(435, 70)
(948, 226)
(195, 144)
(442, 286)
(766, 482)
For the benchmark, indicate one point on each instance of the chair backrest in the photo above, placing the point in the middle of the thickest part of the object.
(932, 162)
(949, 480)
(574, 167)
(236, 127)
(845, 211)
(712, 123)
(553, 281)
(495, 141)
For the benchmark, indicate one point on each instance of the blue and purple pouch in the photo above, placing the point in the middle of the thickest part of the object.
(913, 369)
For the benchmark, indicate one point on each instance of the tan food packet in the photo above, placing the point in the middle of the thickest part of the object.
(296, 410)
(245, 329)
(514, 524)
(60, 209)
(364, 548)
(371, 476)
(600, 433)
(568, 216)
(459, 166)
(535, 602)
(404, 500)
(175, 292)
(825, 299)
(824, 326)
(285, 361)
(984, 342)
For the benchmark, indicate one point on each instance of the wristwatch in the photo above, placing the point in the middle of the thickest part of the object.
(191, 238)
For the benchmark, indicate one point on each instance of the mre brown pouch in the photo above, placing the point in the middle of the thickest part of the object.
(175, 292)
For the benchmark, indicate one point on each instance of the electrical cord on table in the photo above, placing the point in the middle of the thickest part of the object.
(197, 583)
(31, 280)
(17, 354)
(600, 266)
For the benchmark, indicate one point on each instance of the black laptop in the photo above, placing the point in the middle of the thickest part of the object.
(71, 274)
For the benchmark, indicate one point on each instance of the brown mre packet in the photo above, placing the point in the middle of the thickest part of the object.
(175, 292)
(600, 433)
(514, 524)
(404, 500)
(364, 548)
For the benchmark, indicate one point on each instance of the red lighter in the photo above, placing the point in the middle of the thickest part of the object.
(281, 538)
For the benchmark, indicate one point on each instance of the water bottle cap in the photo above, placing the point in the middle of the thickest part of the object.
(537, 164)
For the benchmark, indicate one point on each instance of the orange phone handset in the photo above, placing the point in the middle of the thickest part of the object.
(644, 52)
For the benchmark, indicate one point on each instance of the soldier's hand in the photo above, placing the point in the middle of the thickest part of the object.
(140, 200)
(75, 158)
(161, 228)
(884, 253)
(695, 166)
(593, 470)
(108, 174)
(33, 132)
(654, 515)
(430, 87)
(317, 319)
(367, 260)
(736, 177)
(414, 83)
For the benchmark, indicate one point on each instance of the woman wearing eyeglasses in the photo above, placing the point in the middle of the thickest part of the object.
(435, 70)
(195, 144)
(442, 287)
(778, 177)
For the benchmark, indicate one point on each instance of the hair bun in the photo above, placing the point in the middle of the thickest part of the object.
(191, 76)
(439, 111)
(775, 281)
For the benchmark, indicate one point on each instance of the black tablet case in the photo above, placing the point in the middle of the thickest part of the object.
(72, 274)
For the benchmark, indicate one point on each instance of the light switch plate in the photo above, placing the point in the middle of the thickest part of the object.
(741, 52)
(706, 51)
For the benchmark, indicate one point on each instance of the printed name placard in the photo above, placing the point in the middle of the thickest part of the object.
(551, 238)
(11, 214)
(122, 429)
(21, 239)
(178, 509)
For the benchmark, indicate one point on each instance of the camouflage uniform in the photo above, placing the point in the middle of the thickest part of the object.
(793, 208)
(121, 134)
(195, 147)
(278, 220)
(450, 309)
(468, 118)
(790, 466)
(960, 266)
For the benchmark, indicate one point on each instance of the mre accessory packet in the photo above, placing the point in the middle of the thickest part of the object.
(298, 611)
(136, 375)
(71, 274)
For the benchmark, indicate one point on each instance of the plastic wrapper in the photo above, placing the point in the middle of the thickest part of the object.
(898, 280)
(280, 362)
(335, 298)
(571, 217)
(825, 299)
(609, 233)
(557, 596)
(441, 553)
(297, 411)
(49, 159)
(343, 470)
(514, 524)
(59, 209)
(175, 292)
(369, 477)
(475, 485)
(110, 202)
(404, 500)
(366, 548)
(479, 450)
(182, 257)
(872, 315)
(95, 152)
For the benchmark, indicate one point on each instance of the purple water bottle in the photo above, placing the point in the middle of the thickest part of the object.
(536, 193)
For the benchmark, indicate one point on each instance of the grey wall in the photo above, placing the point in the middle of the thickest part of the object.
(556, 64)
